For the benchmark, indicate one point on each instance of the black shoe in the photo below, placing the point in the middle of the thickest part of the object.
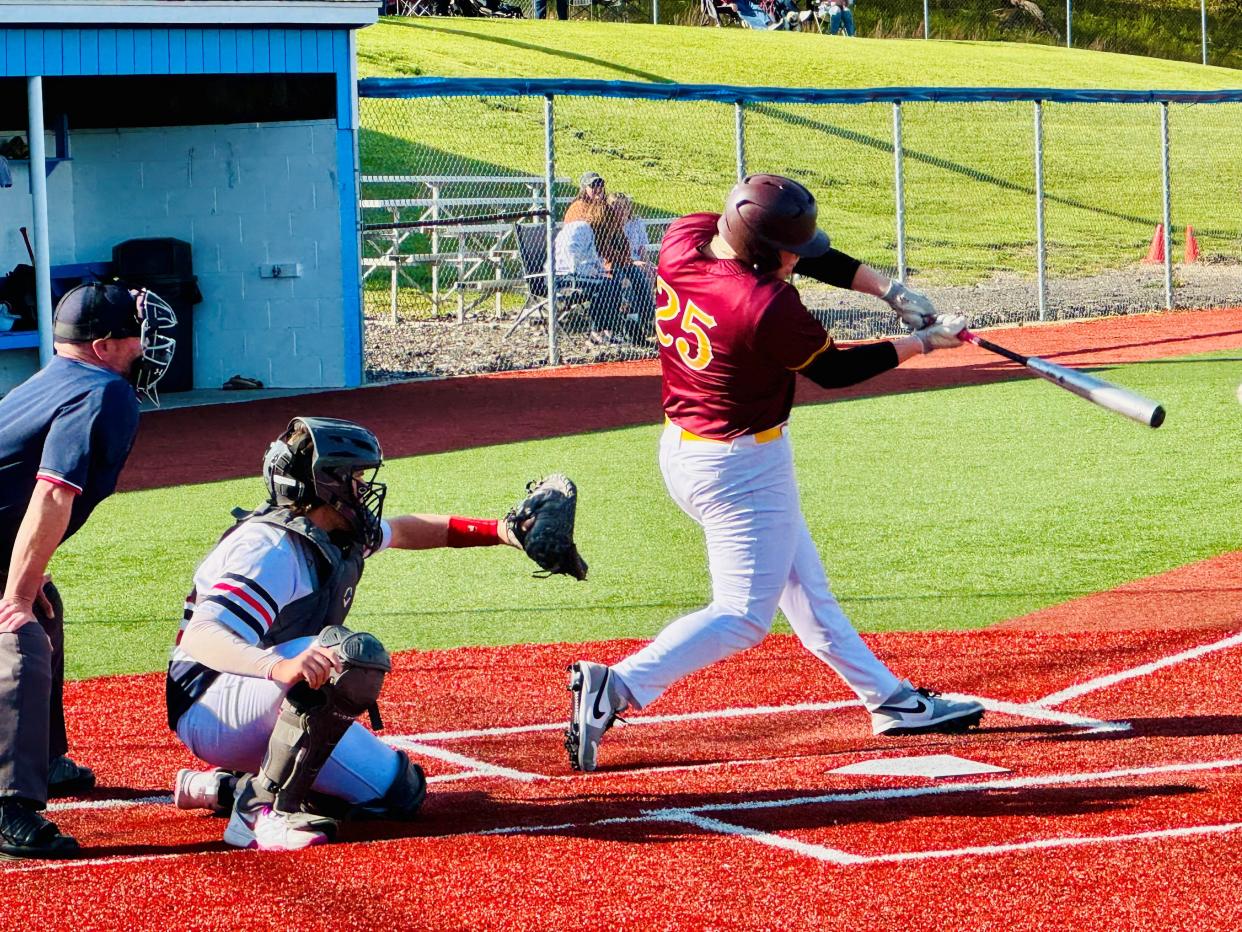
(24, 833)
(66, 778)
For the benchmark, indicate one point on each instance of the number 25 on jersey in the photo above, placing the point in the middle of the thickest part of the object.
(693, 320)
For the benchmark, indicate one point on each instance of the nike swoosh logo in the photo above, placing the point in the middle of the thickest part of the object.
(603, 689)
(918, 706)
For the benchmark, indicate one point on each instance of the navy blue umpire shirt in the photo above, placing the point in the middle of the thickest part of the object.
(71, 423)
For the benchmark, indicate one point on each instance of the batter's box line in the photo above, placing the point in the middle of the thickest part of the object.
(695, 816)
(846, 859)
(1112, 679)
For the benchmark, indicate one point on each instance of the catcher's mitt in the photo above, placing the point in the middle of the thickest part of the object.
(543, 523)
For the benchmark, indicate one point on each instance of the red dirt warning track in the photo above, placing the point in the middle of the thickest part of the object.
(451, 414)
(1120, 806)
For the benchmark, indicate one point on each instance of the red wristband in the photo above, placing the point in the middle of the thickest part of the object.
(472, 532)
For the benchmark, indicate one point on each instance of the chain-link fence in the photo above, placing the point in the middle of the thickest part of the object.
(1007, 205)
(1207, 31)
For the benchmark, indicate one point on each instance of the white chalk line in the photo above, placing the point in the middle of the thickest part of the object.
(471, 764)
(1039, 713)
(806, 849)
(111, 803)
(909, 792)
(640, 720)
(1046, 843)
(1112, 679)
(844, 858)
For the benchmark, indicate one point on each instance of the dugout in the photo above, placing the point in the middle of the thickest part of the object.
(228, 125)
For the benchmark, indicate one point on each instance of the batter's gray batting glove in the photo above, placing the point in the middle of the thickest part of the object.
(915, 310)
(942, 333)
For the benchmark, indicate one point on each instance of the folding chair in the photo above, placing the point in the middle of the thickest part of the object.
(752, 17)
(533, 251)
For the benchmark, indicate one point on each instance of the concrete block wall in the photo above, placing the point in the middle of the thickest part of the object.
(243, 196)
(16, 211)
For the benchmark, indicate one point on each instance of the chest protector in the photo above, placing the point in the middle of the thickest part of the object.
(336, 575)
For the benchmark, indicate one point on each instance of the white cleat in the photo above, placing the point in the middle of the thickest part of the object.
(914, 711)
(204, 789)
(268, 829)
(595, 707)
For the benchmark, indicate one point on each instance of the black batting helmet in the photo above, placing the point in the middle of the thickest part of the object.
(767, 214)
(318, 461)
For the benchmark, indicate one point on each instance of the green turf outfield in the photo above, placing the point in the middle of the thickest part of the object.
(941, 509)
(969, 172)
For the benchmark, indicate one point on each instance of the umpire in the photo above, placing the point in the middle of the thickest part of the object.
(65, 434)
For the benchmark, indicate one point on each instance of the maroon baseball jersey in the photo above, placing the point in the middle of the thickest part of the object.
(730, 339)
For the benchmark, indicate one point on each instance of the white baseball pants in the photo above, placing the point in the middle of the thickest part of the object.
(761, 557)
(230, 724)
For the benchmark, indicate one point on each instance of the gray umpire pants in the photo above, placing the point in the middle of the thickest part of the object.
(32, 709)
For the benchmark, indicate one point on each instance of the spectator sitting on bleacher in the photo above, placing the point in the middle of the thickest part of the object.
(624, 251)
(579, 263)
(634, 229)
(591, 204)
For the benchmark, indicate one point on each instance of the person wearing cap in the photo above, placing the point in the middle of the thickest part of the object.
(65, 434)
(629, 285)
(591, 204)
(733, 337)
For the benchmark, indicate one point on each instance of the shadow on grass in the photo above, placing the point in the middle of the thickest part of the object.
(542, 49)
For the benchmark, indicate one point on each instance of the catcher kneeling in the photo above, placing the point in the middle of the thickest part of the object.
(266, 682)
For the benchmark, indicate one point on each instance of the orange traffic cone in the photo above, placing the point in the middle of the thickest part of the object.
(1155, 252)
(1192, 245)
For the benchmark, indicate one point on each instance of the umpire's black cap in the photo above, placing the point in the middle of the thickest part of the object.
(96, 311)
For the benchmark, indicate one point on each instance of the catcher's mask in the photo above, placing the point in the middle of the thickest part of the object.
(765, 215)
(325, 461)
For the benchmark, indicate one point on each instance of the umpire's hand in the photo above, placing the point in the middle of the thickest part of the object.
(314, 665)
(14, 613)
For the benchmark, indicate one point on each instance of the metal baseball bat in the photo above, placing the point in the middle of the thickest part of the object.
(1105, 394)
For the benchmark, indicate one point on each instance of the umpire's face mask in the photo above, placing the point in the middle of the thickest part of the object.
(158, 345)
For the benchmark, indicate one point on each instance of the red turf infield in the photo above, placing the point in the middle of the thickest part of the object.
(452, 414)
(708, 826)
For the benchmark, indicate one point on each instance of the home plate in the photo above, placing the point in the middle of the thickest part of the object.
(931, 765)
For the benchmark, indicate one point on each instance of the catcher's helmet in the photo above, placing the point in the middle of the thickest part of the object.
(318, 461)
(766, 214)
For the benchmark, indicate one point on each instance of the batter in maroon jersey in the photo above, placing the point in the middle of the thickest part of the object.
(734, 334)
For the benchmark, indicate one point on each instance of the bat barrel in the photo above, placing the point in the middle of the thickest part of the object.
(1105, 394)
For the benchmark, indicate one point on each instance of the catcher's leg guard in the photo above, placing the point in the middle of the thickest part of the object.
(312, 721)
(403, 799)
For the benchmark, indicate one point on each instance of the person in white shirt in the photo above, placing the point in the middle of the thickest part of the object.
(265, 682)
(578, 262)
